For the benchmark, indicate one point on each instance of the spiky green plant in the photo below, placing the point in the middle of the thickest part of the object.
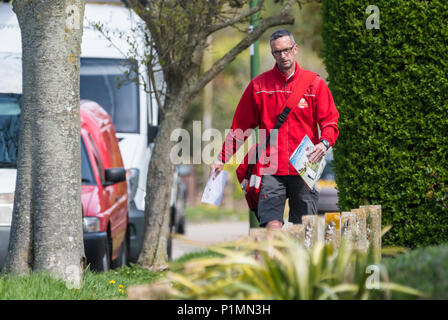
(278, 268)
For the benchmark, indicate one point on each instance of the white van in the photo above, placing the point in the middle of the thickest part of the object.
(133, 111)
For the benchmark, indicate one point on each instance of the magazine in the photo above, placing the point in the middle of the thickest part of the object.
(310, 172)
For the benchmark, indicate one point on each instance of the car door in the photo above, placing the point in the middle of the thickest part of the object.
(112, 204)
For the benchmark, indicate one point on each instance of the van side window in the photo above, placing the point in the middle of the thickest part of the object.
(103, 179)
(86, 168)
(98, 161)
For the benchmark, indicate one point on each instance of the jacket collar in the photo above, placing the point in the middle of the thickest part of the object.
(297, 73)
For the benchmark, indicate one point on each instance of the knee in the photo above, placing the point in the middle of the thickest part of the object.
(274, 224)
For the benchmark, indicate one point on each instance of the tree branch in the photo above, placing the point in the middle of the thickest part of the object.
(284, 18)
(236, 19)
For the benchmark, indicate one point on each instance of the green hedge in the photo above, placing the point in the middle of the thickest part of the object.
(424, 269)
(391, 88)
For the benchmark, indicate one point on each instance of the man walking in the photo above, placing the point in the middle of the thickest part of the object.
(261, 103)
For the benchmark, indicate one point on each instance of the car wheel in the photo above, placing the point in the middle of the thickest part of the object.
(123, 257)
(169, 246)
(105, 261)
(181, 227)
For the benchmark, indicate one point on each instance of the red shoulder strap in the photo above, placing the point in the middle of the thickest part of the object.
(298, 92)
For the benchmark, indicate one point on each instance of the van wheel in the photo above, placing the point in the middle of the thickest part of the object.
(123, 257)
(169, 246)
(181, 227)
(105, 261)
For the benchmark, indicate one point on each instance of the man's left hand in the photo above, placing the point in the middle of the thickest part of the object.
(317, 152)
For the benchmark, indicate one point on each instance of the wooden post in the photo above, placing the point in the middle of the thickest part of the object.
(361, 237)
(373, 227)
(333, 229)
(258, 234)
(348, 226)
(314, 230)
(297, 231)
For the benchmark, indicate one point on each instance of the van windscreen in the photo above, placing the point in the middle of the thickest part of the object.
(103, 81)
(9, 130)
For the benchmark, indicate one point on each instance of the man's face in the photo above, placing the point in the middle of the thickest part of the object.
(284, 51)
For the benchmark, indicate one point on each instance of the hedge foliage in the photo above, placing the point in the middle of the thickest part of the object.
(391, 88)
(424, 269)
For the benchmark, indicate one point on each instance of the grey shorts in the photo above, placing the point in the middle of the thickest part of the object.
(273, 194)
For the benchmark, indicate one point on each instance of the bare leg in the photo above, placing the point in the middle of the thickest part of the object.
(274, 224)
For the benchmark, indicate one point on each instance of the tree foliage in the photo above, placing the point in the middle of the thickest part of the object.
(391, 89)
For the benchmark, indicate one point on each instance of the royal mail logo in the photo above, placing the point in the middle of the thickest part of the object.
(303, 104)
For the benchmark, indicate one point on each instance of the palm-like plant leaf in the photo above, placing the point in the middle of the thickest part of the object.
(279, 268)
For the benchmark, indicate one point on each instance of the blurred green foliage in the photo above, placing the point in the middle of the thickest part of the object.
(278, 268)
(391, 90)
(206, 212)
(424, 269)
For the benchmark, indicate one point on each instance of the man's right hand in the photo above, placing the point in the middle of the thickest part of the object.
(216, 168)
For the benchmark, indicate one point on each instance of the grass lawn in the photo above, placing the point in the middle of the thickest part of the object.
(96, 286)
(210, 213)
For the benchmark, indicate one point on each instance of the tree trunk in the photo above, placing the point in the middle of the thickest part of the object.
(207, 101)
(19, 256)
(158, 188)
(48, 195)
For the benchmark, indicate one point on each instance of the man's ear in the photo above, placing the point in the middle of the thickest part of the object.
(296, 48)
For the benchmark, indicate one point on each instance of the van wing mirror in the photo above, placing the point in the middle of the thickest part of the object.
(115, 175)
(152, 132)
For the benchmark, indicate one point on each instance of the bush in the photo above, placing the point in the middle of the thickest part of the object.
(277, 268)
(425, 269)
(391, 90)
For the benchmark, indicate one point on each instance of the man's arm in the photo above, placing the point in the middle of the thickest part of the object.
(327, 118)
(247, 116)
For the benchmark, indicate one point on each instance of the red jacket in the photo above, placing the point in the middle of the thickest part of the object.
(263, 101)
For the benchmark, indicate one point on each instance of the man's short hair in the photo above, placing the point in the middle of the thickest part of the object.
(281, 33)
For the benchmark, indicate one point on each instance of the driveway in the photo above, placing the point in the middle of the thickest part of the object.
(208, 233)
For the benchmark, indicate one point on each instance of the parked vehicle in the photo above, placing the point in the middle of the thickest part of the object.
(104, 191)
(9, 124)
(105, 206)
(328, 194)
(134, 112)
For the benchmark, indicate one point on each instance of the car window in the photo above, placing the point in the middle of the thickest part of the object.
(98, 161)
(86, 168)
(9, 130)
(328, 173)
(103, 81)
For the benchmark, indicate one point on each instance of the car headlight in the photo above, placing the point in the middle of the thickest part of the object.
(132, 177)
(6, 205)
(91, 224)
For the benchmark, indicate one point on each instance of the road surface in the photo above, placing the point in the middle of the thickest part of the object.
(208, 233)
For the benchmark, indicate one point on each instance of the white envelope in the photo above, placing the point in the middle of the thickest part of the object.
(214, 189)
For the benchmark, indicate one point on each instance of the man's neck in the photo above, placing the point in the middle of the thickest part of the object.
(289, 72)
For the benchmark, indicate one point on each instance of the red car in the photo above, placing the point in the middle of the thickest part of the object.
(104, 191)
